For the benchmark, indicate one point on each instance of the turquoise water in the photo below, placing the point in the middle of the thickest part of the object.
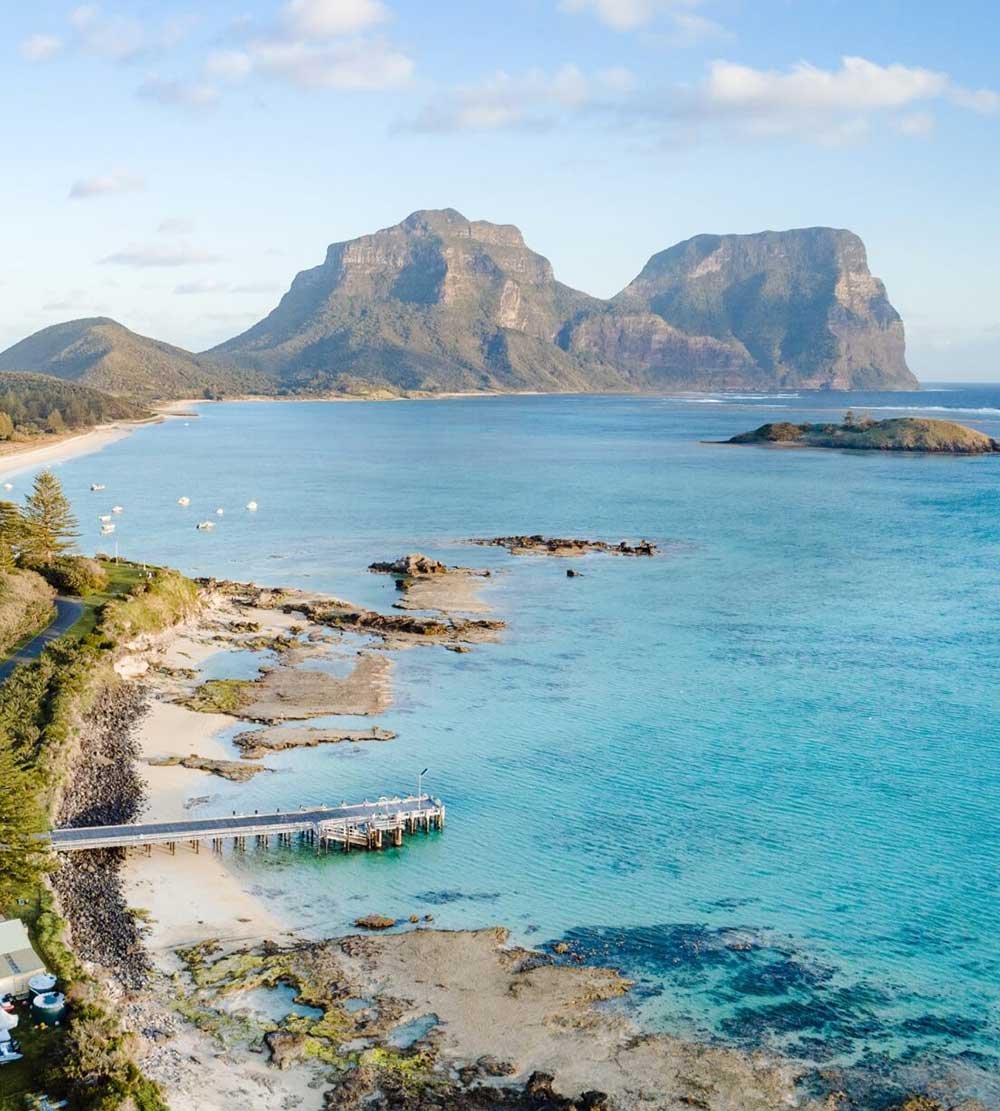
(760, 773)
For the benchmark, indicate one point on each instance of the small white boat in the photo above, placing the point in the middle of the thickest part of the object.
(205, 525)
(8, 485)
(219, 512)
(107, 530)
(252, 506)
(105, 518)
(116, 509)
(96, 486)
(183, 501)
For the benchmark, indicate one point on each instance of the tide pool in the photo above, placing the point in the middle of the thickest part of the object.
(759, 772)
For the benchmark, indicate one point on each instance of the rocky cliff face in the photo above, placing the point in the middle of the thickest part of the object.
(775, 309)
(437, 302)
(441, 303)
(108, 356)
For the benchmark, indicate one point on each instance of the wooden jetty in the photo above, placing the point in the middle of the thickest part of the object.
(364, 825)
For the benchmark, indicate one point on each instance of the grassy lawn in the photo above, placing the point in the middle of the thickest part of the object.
(24, 1076)
(123, 578)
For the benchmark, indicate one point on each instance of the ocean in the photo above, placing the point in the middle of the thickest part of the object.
(759, 773)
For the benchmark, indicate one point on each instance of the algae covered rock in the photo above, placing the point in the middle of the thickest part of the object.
(375, 922)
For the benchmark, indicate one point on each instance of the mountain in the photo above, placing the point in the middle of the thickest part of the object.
(435, 303)
(108, 356)
(440, 303)
(774, 309)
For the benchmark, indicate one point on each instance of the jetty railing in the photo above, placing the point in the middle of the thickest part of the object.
(364, 825)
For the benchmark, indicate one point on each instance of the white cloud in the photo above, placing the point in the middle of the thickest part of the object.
(106, 185)
(229, 65)
(622, 15)
(689, 29)
(330, 18)
(916, 124)
(829, 106)
(149, 255)
(859, 85)
(209, 286)
(39, 48)
(531, 101)
(176, 225)
(179, 94)
(618, 79)
(977, 100)
(683, 26)
(117, 38)
(354, 64)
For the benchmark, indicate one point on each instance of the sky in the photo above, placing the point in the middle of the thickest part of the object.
(173, 164)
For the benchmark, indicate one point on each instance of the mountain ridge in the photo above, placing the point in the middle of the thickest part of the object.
(438, 303)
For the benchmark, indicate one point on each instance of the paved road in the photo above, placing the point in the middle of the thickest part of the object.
(233, 825)
(68, 611)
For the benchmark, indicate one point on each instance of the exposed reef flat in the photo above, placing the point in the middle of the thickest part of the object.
(896, 434)
(290, 693)
(428, 584)
(558, 546)
(394, 630)
(234, 770)
(391, 1023)
(255, 744)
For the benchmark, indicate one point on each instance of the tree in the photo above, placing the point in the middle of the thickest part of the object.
(54, 422)
(49, 524)
(6, 426)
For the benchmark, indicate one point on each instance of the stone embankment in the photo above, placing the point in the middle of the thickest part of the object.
(104, 788)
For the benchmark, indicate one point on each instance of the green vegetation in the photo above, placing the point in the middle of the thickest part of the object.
(109, 357)
(897, 434)
(222, 696)
(315, 972)
(31, 404)
(89, 1060)
(48, 528)
(25, 608)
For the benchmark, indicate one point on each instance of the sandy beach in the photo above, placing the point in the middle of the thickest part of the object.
(15, 458)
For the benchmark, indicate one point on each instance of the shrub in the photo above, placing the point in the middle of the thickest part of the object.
(75, 575)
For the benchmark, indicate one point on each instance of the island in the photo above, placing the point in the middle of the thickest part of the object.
(942, 437)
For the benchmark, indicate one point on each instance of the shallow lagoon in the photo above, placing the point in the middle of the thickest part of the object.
(759, 772)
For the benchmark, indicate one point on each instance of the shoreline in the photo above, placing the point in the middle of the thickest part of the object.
(535, 1013)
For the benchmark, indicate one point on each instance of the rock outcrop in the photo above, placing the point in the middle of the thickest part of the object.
(941, 437)
(559, 546)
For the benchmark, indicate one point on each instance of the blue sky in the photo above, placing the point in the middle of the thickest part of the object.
(173, 164)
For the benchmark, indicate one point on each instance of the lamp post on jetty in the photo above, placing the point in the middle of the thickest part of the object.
(420, 784)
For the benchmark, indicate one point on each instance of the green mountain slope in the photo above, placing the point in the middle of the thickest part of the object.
(39, 402)
(108, 356)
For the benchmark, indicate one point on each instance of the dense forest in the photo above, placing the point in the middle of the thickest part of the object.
(34, 403)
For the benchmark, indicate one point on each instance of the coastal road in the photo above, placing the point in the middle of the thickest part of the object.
(68, 611)
(240, 825)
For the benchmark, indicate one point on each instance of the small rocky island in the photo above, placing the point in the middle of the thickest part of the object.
(559, 546)
(895, 434)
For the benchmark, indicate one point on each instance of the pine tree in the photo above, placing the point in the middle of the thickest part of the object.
(49, 524)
